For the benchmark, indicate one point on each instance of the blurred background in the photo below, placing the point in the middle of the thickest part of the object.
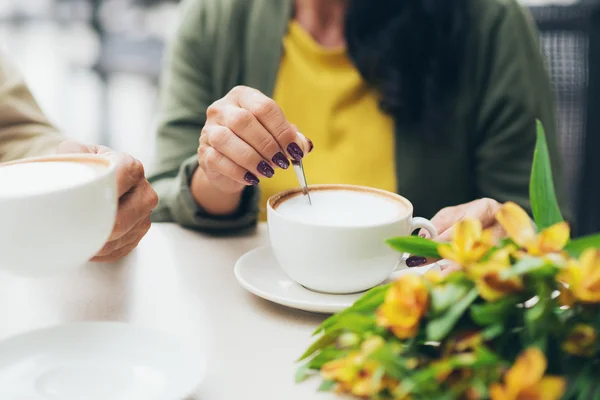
(94, 66)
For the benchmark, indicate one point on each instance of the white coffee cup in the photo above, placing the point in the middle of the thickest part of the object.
(56, 212)
(331, 256)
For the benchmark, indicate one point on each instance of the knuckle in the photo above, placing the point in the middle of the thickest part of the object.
(218, 137)
(238, 90)
(248, 157)
(266, 108)
(240, 119)
(211, 158)
(135, 169)
(265, 144)
(214, 110)
(152, 197)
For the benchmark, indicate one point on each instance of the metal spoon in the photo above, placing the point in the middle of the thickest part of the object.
(299, 169)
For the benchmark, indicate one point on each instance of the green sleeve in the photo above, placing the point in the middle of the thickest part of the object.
(186, 92)
(516, 90)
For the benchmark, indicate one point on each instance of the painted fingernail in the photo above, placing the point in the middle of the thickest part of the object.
(265, 169)
(415, 261)
(281, 160)
(422, 235)
(295, 151)
(311, 146)
(251, 179)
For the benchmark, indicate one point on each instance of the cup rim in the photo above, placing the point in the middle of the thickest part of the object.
(97, 159)
(274, 201)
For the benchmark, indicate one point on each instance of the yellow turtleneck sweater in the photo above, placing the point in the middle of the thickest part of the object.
(321, 92)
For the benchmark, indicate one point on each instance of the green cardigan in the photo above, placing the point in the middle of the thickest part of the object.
(504, 87)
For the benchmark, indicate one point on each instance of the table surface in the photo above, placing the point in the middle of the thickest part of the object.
(181, 282)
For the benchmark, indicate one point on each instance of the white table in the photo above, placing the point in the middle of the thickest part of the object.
(180, 282)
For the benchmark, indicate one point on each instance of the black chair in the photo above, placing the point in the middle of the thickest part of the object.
(570, 36)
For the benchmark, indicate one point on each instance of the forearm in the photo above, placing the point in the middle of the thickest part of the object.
(24, 129)
(212, 200)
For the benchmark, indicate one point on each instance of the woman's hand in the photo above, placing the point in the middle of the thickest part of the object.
(482, 209)
(246, 138)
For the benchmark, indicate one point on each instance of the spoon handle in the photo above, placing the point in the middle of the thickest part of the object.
(299, 169)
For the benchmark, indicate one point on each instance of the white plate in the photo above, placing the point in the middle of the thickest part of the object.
(98, 361)
(259, 273)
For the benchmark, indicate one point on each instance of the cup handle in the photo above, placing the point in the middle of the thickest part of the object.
(422, 223)
(418, 223)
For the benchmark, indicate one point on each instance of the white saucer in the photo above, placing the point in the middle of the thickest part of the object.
(259, 273)
(98, 361)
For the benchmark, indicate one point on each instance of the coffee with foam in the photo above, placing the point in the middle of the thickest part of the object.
(343, 207)
(32, 178)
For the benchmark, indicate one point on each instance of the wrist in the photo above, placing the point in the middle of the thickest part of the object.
(211, 198)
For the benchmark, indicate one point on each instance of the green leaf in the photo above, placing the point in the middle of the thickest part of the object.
(443, 297)
(326, 386)
(368, 303)
(415, 245)
(438, 328)
(324, 341)
(325, 355)
(353, 322)
(541, 187)
(577, 246)
(302, 373)
(492, 332)
(392, 363)
(493, 313)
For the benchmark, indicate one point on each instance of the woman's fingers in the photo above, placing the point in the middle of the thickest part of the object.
(238, 151)
(245, 125)
(217, 164)
(271, 117)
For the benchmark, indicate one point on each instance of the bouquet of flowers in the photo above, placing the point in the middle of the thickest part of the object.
(520, 321)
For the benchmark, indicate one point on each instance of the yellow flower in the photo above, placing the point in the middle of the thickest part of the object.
(406, 301)
(521, 230)
(583, 277)
(469, 243)
(488, 276)
(581, 341)
(355, 373)
(433, 277)
(525, 380)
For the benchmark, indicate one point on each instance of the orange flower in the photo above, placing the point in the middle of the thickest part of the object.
(405, 303)
(469, 243)
(487, 276)
(583, 277)
(581, 341)
(525, 380)
(521, 230)
(355, 373)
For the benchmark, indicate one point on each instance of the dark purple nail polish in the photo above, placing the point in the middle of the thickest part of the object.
(311, 146)
(281, 160)
(295, 151)
(265, 169)
(251, 179)
(415, 261)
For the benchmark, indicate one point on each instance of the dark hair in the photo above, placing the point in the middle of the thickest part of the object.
(411, 52)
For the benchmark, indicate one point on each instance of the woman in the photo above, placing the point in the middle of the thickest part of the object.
(433, 99)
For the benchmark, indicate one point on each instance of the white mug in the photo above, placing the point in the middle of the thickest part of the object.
(339, 259)
(56, 230)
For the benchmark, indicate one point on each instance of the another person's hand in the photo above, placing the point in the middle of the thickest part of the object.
(245, 138)
(482, 209)
(137, 199)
